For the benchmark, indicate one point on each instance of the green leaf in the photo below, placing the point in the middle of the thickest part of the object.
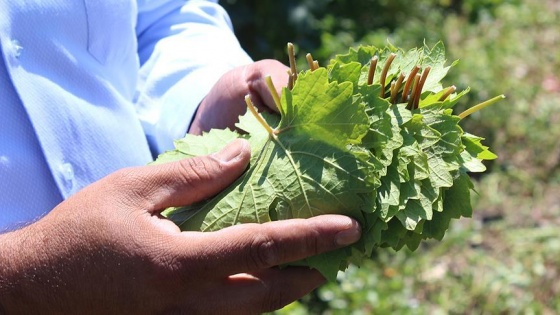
(339, 147)
(323, 110)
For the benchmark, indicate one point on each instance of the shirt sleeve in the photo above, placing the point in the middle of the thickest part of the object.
(184, 47)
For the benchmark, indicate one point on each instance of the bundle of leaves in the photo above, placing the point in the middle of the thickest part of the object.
(372, 135)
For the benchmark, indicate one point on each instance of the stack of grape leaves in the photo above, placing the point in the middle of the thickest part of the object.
(372, 135)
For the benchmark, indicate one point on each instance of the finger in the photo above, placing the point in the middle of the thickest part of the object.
(270, 289)
(258, 89)
(252, 247)
(186, 181)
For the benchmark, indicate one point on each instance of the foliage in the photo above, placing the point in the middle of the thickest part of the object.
(328, 27)
(345, 144)
(506, 259)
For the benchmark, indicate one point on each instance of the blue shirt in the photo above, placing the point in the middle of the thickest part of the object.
(91, 86)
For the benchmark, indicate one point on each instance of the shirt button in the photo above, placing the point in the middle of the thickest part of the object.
(16, 48)
(67, 172)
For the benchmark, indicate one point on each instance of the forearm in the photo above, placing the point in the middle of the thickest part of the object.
(27, 277)
(14, 269)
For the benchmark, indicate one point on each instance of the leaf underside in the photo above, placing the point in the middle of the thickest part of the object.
(341, 148)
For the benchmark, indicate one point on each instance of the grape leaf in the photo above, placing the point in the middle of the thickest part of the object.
(397, 163)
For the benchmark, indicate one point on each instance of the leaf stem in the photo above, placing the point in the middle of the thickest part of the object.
(258, 116)
(292, 57)
(421, 86)
(481, 106)
(447, 92)
(398, 85)
(273, 92)
(413, 91)
(384, 73)
(409, 82)
(372, 67)
(315, 64)
(309, 58)
(290, 80)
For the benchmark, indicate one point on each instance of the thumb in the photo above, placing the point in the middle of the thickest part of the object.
(190, 180)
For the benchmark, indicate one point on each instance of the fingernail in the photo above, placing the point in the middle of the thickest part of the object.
(349, 236)
(231, 151)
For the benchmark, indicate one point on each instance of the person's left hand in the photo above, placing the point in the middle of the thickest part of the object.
(224, 104)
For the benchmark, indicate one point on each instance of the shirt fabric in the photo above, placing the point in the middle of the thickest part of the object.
(91, 86)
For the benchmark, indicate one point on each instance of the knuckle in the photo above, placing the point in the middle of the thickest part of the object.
(273, 299)
(264, 252)
(312, 243)
(194, 171)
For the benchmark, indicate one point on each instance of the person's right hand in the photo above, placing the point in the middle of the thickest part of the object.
(107, 250)
(225, 102)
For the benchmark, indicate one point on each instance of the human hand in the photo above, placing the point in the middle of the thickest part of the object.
(225, 102)
(108, 250)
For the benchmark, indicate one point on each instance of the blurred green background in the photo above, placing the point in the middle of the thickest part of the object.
(506, 259)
